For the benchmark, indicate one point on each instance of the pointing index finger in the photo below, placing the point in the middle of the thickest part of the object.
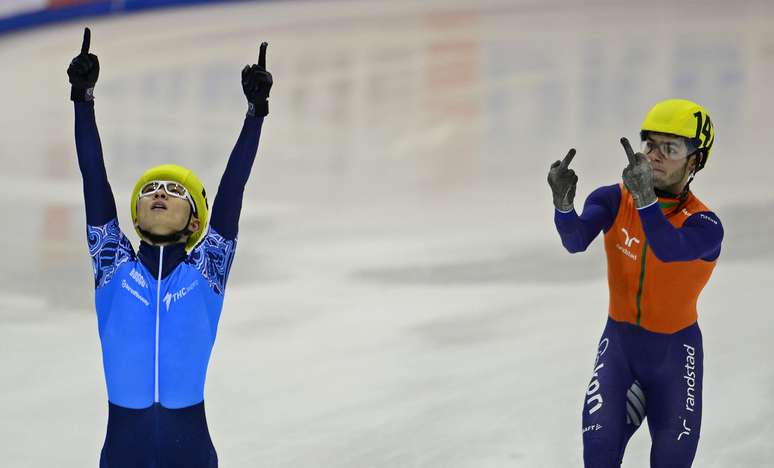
(628, 148)
(568, 158)
(86, 41)
(262, 55)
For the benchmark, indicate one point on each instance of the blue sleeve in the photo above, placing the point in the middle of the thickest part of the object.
(212, 258)
(100, 204)
(228, 200)
(109, 249)
(698, 238)
(599, 212)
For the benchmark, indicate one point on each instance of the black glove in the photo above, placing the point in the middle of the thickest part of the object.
(256, 83)
(638, 177)
(83, 72)
(563, 182)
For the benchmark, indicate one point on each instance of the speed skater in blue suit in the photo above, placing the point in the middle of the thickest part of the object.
(158, 307)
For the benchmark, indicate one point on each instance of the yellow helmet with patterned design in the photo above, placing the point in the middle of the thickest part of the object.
(682, 118)
(186, 178)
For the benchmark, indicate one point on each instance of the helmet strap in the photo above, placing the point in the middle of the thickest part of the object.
(684, 194)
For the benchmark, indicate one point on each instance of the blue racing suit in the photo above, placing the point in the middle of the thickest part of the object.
(157, 313)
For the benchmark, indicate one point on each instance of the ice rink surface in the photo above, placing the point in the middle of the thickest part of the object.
(400, 297)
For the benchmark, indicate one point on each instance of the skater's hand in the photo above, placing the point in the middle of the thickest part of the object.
(563, 181)
(83, 72)
(638, 177)
(256, 83)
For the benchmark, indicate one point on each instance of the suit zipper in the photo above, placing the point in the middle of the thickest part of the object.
(158, 309)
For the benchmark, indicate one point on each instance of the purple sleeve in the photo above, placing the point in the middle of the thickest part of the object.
(599, 212)
(698, 238)
(100, 204)
(228, 200)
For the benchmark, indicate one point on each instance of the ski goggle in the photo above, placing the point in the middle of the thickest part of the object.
(675, 150)
(172, 188)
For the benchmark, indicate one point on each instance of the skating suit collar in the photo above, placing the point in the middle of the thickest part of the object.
(174, 255)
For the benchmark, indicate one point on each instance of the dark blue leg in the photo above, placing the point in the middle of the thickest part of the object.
(674, 407)
(605, 427)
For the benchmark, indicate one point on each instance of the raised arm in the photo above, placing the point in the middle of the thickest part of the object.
(108, 247)
(83, 73)
(599, 210)
(256, 84)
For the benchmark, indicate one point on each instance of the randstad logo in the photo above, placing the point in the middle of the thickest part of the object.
(629, 240)
(690, 377)
(173, 297)
(686, 430)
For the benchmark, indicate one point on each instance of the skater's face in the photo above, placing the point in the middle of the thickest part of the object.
(672, 170)
(162, 214)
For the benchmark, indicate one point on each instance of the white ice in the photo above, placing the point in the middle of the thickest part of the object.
(400, 297)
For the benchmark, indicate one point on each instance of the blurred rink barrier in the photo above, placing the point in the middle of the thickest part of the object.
(23, 14)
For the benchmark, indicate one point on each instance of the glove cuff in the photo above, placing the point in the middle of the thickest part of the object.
(81, 94)
(642, 203)
(644, 200)
(260, 110)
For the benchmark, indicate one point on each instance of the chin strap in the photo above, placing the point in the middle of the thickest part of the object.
(684, 194)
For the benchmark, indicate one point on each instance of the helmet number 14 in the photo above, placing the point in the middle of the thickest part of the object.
(703, 127)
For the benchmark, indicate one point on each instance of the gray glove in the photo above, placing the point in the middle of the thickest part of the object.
(638, 177)
(563, 182)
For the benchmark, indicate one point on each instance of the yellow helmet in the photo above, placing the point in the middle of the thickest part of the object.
(682, 118)
(187, 179)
